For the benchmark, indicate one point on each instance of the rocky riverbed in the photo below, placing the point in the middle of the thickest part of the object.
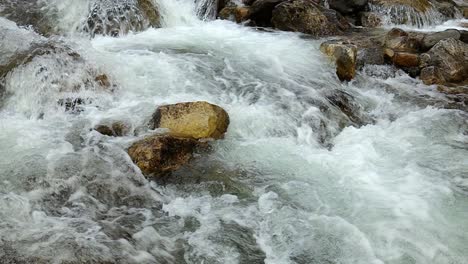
(233, 131)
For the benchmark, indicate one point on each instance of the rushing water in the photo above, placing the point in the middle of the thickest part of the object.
(298, 179)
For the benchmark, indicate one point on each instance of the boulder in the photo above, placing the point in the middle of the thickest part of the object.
(446, 62)
(433, 38)
(198, 120)
(114, 18)
(370, 19)
(345, 56)
(236, 13)
(405, 59)
(28, 13)
(113, 129)
(158, 155)
(399, 40)
(370, 56)
(261, 11)
(348, 6)
(307, 17)
(465, 12)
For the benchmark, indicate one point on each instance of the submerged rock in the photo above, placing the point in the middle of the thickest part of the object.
(192, 120)
(446, 62)
(345, 55)
(261, 11)
(160, 154)
(114, 129)
(28, 13)
(307, 17)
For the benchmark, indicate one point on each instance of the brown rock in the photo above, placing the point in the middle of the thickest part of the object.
(446, 62)
(161, 154)
(370, 19)
(192, 120)
(405, 59)
(399, 40)
(345, 55)
(307, 17)
(236, 13)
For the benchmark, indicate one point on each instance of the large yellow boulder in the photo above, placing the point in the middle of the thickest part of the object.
(195, 120)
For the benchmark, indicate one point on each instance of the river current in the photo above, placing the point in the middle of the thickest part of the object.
(299, 177)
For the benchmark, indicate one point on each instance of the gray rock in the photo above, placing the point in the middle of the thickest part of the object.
(433, 38)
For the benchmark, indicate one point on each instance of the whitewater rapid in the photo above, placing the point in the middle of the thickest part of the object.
(295, 180)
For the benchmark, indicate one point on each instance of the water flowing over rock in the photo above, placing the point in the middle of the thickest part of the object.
(311, 170)
(430, 40)
(307, 17)
(58, 72)
(416, 13)
(192, 120)
(28, 13)
(117, 18)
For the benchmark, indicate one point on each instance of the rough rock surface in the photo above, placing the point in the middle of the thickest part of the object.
(345, 55)
(307, 17)
(192, 120)
(446, 62)
(161, 154)
(433, 38)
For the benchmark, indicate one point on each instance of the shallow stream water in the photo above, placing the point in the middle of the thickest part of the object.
(312, 170)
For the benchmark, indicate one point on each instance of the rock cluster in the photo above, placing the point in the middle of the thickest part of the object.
(190, 124)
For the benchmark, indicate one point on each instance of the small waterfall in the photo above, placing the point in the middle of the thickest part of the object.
(406, 15)
(206, 9)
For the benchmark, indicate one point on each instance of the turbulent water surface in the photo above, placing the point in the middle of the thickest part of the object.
(311, 170)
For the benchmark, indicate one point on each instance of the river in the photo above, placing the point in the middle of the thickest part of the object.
(296, 179)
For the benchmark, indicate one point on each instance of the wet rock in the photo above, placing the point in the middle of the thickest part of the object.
(119, 17)
(28, 13)
(261, 11)
(405, 59)
(465, 12)
(370, 19)
(464, 36)
(418, 5)
(457, 90)
(399, 40)
(348, 6)
(431, 39)
(161, 154)
(236, 13)
(307, 17)
(345, 56)
(446, 62)
(115, 129)
(370, 56)
(192, 120)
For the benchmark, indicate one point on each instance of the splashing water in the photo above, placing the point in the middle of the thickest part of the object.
(311, 170)
(405, 15)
